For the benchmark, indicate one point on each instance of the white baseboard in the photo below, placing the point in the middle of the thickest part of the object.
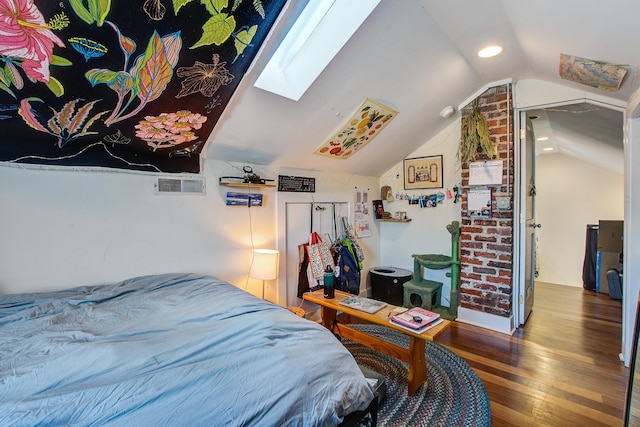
(486, 320)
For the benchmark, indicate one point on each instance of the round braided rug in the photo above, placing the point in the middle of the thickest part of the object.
(453, 396)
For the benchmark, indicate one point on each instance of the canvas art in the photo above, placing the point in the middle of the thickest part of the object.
(126, 84)
(598, 74)
(364, 125)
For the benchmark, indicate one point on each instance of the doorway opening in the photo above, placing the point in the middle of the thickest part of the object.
(576, 157)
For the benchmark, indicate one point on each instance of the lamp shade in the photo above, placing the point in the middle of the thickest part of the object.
(265, 264)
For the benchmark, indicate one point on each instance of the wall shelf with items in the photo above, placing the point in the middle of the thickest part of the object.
(393, 220)
(249, 179)
(246, 184)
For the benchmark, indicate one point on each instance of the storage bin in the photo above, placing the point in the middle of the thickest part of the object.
(387, 283)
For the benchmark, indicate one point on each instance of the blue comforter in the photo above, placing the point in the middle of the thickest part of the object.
(183, 350)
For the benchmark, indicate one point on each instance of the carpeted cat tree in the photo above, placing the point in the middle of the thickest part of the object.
(421, 292)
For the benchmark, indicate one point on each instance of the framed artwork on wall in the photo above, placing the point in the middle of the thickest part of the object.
(423, 172)
(364, 125)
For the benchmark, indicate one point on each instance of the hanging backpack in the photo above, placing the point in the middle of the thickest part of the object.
(348, 279)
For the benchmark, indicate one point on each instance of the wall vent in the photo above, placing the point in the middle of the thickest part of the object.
(180, 186)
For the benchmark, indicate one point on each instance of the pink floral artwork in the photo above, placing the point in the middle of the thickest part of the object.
(24, 35)
(169, 129)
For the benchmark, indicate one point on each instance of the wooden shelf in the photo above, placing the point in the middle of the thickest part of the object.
(245, 184)
(393, 220)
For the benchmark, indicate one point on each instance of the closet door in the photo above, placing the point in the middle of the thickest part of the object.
(301, 219)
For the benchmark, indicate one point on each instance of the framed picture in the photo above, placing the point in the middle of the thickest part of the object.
(423, 172)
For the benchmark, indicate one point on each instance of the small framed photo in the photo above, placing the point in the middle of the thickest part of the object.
(423, 172)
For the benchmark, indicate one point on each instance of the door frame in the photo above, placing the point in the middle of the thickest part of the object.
(520, 192)
(529, 245)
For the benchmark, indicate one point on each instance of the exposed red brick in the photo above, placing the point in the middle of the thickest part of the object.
(503, 214)
(470, 276)
(486, 222)
(472, 295)
(487, 287)
(486, 245)
(497, 264)
(470, 260)
(485, 238)
(504, 273)
(498, 130)
(505, 290)
(480, 270)
(501, 231)
(471, 245)
(504, 306)
(499, 248)
(505, 280)
(471, 229)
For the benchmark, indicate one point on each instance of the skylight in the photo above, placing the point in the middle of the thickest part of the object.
(323, 27)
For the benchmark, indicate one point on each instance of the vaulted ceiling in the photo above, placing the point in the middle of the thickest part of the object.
(417, 57)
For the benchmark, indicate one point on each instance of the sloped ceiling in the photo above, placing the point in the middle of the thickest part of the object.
(419, 56)
(585, 131)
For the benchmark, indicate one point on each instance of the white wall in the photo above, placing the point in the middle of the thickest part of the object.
(571, 193)
(426, 233)
(63, 228)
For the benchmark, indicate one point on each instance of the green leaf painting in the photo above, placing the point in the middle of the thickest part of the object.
(217, 30)
(214, 7)
(178, 4)
(243, 39)
(91, 11)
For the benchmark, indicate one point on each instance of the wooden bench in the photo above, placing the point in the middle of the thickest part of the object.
(414, 355)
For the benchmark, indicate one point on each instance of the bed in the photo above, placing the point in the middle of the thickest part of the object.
(173, 349)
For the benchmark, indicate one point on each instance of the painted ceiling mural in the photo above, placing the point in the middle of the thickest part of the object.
(125, 84)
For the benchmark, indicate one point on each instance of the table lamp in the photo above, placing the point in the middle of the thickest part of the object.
(264, 265)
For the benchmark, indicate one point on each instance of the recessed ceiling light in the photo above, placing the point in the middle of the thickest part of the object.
(542, 138)
(490, 51)
(547, 149)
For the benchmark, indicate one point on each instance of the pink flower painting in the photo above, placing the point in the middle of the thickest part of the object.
(169, 129)
(25, 36)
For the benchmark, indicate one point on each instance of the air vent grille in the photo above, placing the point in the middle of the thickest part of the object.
(180, 186)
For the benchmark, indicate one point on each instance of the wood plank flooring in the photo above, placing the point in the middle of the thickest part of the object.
(561, 369)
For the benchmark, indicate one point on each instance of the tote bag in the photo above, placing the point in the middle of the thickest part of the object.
(319, 256)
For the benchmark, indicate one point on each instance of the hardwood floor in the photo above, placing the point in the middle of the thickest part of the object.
(561, 369)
